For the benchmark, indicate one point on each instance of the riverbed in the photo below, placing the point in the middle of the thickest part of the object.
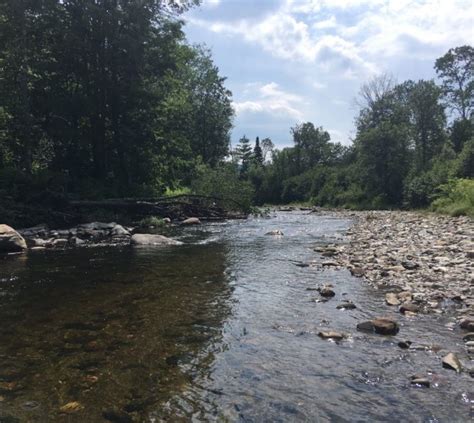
(222, 328)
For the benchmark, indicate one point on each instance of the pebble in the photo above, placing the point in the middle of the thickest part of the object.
(332, 335)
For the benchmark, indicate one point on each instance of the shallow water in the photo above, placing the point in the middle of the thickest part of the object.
(221, 328)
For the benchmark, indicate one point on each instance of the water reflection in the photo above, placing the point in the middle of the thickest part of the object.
(111, 329)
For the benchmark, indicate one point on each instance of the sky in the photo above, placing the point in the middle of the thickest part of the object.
(294, 61)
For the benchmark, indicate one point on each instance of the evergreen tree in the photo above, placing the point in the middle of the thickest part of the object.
(257, 153)
(244, 154)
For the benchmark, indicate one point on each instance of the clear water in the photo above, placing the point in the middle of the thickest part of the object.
(222, 328)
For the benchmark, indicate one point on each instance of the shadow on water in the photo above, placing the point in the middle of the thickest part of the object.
(223, 328)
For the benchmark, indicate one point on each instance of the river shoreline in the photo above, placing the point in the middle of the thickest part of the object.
(421, 259)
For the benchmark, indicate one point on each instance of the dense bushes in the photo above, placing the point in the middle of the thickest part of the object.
(455, 198)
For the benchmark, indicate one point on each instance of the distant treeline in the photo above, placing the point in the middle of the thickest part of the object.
(404, 153)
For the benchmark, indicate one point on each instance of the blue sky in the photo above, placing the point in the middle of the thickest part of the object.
(292, 61)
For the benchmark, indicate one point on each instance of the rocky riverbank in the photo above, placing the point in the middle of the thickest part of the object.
(422, 262)
(84, 235)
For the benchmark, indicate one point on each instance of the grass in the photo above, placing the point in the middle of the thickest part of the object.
(455, 198)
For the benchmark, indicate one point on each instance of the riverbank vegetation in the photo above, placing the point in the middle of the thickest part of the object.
(414, 148)
(106, 99)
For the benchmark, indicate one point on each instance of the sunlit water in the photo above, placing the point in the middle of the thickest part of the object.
(221, 328)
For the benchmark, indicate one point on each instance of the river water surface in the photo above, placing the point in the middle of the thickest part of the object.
(222, 328)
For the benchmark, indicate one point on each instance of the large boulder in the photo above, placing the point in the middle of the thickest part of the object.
(152, 239)
(10, 240)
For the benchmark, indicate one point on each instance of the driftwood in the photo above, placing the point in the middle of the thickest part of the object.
(175, 207)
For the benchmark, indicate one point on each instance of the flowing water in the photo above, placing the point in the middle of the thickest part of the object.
(222, 328)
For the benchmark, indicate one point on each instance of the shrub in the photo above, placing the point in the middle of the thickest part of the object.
(455, 198)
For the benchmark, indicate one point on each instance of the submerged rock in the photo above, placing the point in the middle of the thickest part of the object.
(381, 325)
(450, 361)
(346, 305)
(10, 240)
(152, 239)
(326, 292)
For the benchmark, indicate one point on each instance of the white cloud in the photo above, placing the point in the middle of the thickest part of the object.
(271, 99)
(308, 31)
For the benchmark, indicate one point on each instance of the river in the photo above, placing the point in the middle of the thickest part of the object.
(222, 328)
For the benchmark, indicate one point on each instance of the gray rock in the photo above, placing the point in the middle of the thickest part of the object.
(151, 239)
(10, 240)
(119, 230)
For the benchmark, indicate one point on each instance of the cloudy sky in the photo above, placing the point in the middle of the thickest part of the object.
(289, 61)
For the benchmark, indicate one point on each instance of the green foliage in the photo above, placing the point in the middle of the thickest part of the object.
(224, 182)
(456, 69)
(108, 95)
(455, 198)
(154, 221)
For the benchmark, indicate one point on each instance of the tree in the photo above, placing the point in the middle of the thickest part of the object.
(244, 154)
(257, 153)
(427, 119)
(456, 70)
(267, 147)
(311, 145)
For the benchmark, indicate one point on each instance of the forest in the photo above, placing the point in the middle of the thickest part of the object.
(107, 99)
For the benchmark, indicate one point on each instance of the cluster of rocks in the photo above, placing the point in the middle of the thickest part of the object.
(425, 261)
(88, 234)
(422, 262)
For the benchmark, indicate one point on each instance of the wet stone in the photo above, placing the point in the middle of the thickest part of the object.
(116, 416)
(409, 308)
(331, 335)
(420, 381)
(451, 361)
(347, 305)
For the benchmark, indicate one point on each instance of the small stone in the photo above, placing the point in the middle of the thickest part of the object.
(385, 326)
(409, 307)
(326, 292)
(331, 335)
(404, 344)
(71, 407)
(348, 305)
(450, 361)
(468, 337)
(420, 381)
(409, 265)
(330, 263)
(358, 272)
(467, 324)
(381, 325)
(391, 299)
(167, 220)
